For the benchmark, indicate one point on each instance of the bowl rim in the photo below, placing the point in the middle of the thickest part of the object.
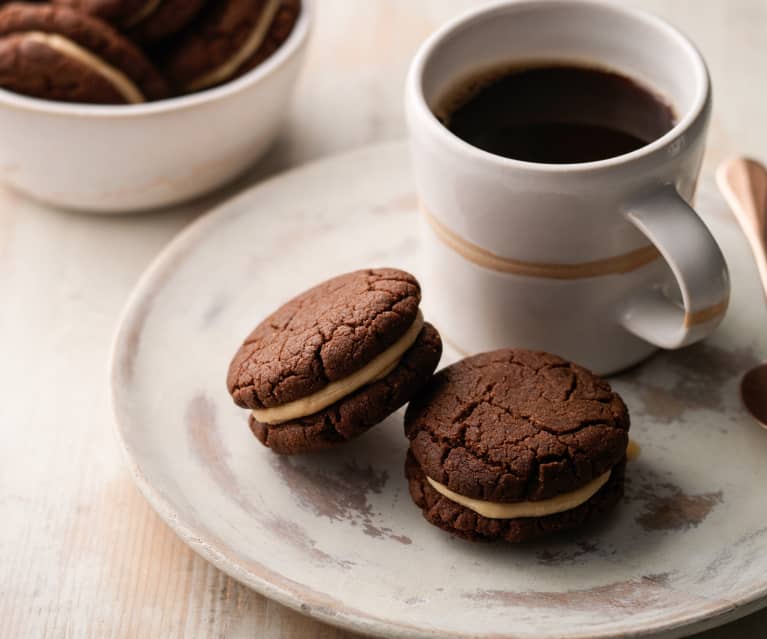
(272, 64)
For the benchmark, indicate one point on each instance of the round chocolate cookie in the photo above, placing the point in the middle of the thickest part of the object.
(144, 20)
(228, 38)
(335, 360)
(58, 53)
(514, 445)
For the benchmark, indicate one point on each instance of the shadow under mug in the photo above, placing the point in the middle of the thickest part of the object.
(600, 262)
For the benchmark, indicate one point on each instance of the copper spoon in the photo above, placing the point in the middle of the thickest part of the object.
(743, 183)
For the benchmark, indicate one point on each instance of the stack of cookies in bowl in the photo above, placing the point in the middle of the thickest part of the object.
(134, 51)
(140, 104)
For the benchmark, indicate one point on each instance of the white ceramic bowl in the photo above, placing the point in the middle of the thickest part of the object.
(113, 159)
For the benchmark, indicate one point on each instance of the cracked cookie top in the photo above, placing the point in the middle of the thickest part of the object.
(514, 425)
(323, 335)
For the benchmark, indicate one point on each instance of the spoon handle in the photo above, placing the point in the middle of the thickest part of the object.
(743, 182)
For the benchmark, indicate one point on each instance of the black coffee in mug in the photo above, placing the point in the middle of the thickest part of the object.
(555, 113)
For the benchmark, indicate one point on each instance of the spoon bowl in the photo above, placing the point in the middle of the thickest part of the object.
(753, 391)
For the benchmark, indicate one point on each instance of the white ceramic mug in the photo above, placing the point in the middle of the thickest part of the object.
(600, 262)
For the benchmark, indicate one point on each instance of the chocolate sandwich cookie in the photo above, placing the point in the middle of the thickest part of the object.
(144, 20)
(335, 360)
(58, 53)
(228, 38)
(515, 445)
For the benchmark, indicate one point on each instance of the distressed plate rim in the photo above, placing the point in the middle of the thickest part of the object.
(257, 576)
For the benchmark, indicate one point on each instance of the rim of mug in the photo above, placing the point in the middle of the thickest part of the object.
(272, 64)
(691, 115)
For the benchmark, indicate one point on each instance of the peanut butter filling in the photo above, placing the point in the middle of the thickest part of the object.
(520, 509)
(248, 48)
(374, 370)
(121, 82)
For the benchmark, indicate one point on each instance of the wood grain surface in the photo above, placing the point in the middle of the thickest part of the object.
(81, 553)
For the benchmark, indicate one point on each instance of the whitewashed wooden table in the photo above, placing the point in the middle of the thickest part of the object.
(81, 553)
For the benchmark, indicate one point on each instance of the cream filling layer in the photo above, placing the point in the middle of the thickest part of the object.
(521, 509)
(248, 48)
(124, 85)
(145, 11)
(371, 372)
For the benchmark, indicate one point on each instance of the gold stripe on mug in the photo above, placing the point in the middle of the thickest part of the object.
(609, 266)
(705, 314)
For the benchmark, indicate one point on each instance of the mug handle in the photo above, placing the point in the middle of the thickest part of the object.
(697, 263)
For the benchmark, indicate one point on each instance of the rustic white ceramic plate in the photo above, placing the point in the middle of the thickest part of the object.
(335, 535)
